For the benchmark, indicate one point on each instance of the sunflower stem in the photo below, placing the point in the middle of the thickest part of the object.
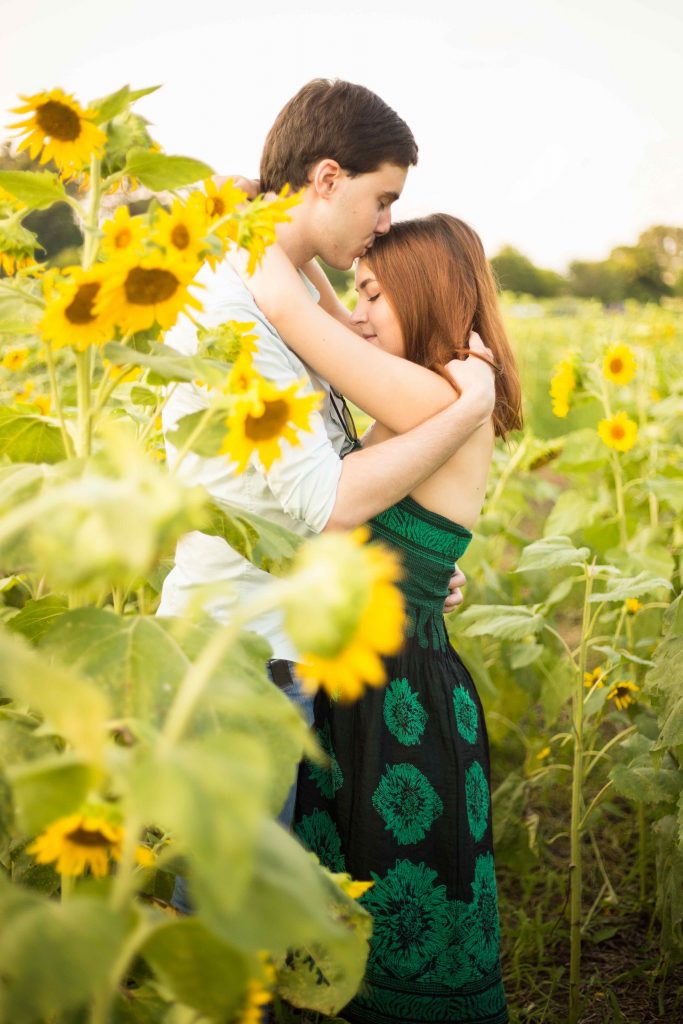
(83, 396)
(57, 401)
(91, 226)
(642, 852)
(101, 1006)
(576, 866)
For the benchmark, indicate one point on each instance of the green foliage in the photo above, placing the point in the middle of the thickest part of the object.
(160, 172)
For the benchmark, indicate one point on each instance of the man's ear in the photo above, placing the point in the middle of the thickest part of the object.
(325, 177)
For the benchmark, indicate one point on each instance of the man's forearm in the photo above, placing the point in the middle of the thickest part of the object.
(379, 476)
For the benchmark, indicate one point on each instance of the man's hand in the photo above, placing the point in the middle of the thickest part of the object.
(455, 598)
(475, 377)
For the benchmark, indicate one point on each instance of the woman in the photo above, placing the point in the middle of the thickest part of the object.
(405, 800)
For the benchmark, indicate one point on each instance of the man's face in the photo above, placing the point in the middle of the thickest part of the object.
(358, 210)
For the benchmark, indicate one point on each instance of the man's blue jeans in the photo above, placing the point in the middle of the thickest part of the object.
(304, 701)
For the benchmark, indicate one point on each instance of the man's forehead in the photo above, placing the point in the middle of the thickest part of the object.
(389, 179)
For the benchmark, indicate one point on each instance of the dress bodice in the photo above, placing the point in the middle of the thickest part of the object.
(429, 545)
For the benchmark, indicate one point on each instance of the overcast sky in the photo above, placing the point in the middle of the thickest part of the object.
(554, 125)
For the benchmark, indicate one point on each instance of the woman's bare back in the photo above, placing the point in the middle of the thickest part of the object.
(456, 490)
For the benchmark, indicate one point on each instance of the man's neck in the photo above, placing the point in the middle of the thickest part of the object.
(295, 241)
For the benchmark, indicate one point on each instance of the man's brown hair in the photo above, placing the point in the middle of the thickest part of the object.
(436, 278)
(338, 120)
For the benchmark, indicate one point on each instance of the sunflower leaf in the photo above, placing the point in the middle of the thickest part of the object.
(29, 438)
(37, 189)
(632, 586)
(507, 622)
(268, 546)
(111, 105)
(551, 553)
(160, 172)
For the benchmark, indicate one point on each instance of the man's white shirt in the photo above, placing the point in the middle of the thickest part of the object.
(299, 490)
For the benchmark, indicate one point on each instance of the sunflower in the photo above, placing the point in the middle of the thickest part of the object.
(562, 384)
(72, 315)
(346, 613)
(256, 228)
(182, 230)
(633, 605)
(123, 233)
(619, 364)
(595, 678)
(621, 694)
(618, 432)
(77, 843)
(243, 380)
(86, 840)
(347, 884)
(264, 417)
(218, 202)
(15, 357)
(43, 402)
(142, 290)
(59, 129)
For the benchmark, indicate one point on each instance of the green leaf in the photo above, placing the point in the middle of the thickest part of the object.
(18, 483)
(633, 586)
(37, 189)
(507, 622)
(198, 968)
(36, 617)
(55, 955)
(571, 512)
(143, 396)
(48, 789)
(584, 451)
(210, 438)
(113, 104)
(167, 364)
(551, 553)
(555, 691)
(522, 655)
(160, 172)
(668, 489)
(643, 783)
(267, 545)
(672, 729)
(211, 794)
(29, 438)
(72, 707)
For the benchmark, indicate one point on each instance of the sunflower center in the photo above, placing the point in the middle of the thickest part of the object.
(83, 837)
(270, 424)
(147, 287)
(215, 206)
(618, 432)
(123, 238)
(616, 365)
(180, 236)
(58, 121)
(80, 309)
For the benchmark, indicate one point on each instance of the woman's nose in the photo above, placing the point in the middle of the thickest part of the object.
(358, 316)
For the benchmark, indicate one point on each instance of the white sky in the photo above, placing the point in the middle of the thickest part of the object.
(554, 125)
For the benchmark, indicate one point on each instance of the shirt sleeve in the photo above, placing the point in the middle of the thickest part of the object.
(305, 479)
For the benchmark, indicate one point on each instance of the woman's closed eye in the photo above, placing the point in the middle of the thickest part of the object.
(373, 298)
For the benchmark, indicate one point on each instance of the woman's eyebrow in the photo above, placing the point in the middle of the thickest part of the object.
(363, 284)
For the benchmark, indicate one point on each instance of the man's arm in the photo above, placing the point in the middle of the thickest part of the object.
(377, 477)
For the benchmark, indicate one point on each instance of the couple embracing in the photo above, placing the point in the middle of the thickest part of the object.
(425, 355)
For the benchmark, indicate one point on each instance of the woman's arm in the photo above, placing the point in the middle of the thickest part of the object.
(394, 391)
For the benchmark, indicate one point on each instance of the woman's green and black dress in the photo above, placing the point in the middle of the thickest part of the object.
(405, 801)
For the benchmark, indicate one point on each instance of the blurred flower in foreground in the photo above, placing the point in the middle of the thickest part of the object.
(82, 841)
(59, 129)
(633, 605)
(264, 417)
(344, 612)
(622, 694)
(618, 432)
(259, 994)
(619, 365)
(348, 885)
(562, 384)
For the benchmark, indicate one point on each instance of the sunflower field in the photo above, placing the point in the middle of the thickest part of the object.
(134, 748)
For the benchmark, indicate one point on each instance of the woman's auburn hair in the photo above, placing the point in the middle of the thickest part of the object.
(435, 275)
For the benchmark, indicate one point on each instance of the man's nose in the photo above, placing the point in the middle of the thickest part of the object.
(384, 222)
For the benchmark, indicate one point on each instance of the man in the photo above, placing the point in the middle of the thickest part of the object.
(352, 152)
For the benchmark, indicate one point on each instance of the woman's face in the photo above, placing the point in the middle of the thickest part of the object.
(376, 319)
